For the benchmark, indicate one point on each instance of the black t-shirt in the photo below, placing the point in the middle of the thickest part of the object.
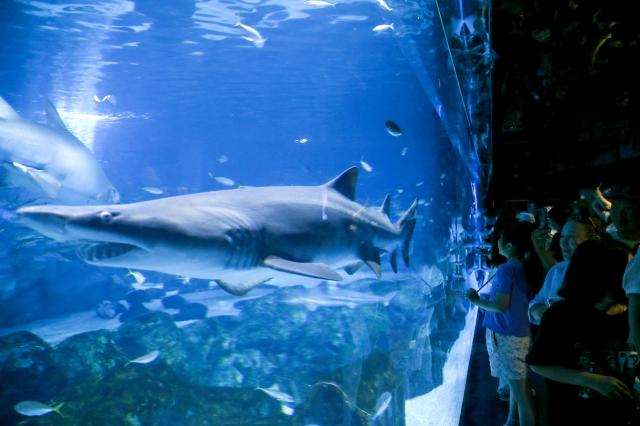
(585, 339)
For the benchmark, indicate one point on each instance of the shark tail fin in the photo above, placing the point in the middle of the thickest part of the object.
(407, 224)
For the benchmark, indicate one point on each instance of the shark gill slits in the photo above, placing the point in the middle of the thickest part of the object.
(244, 253)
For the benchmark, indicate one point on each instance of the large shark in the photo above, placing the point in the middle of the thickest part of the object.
(238, 238)
(51, 159)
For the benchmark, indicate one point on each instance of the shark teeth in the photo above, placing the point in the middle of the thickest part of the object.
(102, 251)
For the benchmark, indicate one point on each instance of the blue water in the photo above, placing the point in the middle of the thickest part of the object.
(195, 101)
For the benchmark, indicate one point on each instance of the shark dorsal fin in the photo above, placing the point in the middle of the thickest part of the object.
(386, 205)
(345, 183)
(53, 118)
(6, 112)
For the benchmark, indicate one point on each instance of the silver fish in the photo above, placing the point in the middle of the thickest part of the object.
(108, 98)
(140, 279)
(366, 166)
(35, 408)
(383, 27)
(145, 359)
(319, 3)
(257, 38)
(393, 128)
(275, 392)
(381, 405)
(152, 190)
(222, 180)
(383, 4)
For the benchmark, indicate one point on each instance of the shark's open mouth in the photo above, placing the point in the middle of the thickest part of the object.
(99, 252)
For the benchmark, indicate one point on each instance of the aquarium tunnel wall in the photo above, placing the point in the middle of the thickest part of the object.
(240, 212)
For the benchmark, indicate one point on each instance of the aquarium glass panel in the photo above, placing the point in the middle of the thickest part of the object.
(254, 212)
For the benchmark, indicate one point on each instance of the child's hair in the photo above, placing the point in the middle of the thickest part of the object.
(519, 235)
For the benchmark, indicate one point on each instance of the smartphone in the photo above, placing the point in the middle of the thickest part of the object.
(542, 218)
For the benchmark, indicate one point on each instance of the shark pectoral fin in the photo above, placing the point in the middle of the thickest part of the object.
(375, 267)
(238, 289)
(353, 268)
(53, 118)
(6, 112)
(314, 270)
(371, 256)
(49, 184)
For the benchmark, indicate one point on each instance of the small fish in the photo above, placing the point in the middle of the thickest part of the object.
(140, 279)
(442, 176)
(383, 27)
(420, 183)
(286, 410)
(109, 98)
(383, 4)
(601, 43)
(400, 190)
(302, 141)
(223, 159)
(222, 180)
(366, 166)
(35, 408)
(145, 359)
(185, 280)
(275, 392)
(381, 405)
(404, 150)
(319, 3)
(257, 38)
(393, 128)
(152, 190)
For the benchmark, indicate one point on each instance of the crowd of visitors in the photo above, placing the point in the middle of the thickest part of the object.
(566, 305)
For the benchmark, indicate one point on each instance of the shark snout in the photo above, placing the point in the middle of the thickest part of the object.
(45, 220)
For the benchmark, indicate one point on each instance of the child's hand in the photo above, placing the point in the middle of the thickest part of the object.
(472, 296)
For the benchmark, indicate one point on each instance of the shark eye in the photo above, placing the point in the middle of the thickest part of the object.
(105, 216)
